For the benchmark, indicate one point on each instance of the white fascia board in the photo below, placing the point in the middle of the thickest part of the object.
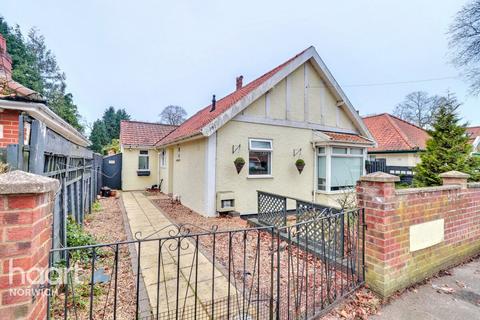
(194, 137)
(347, 105)
(319, 65)
(41, 112)
(243, 103)
(135, 146)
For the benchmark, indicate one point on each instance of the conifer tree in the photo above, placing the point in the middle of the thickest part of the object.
(448, 149)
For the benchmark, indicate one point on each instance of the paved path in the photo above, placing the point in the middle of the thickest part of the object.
(427, 303)
(147, 221)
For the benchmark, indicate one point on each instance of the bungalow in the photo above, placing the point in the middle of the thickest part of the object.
(399, 143)
(140, 157)
(295, 111)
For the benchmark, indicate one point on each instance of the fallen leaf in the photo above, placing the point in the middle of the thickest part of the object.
(344, 314)
(443, 289)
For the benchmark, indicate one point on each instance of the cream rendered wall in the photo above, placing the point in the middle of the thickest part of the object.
(303, 97)
(285, 178)
(277, 98)
(400, 159)
(296, 95)
(188, 174)
(257, 108)
(130, 180)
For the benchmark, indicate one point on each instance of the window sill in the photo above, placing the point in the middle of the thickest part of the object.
(260, 176)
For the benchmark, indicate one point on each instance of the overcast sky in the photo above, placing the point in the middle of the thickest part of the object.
(144, 55)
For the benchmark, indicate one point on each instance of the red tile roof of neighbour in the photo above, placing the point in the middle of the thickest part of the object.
(473, 133)
(395, 134)
(198, 121)
(345, 137)
(138, 133)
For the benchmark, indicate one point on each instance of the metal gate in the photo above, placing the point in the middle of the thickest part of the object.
(112, 171)
(297, 271)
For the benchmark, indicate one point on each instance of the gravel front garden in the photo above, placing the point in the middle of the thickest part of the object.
(306, 282)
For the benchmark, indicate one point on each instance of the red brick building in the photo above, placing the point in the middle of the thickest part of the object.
(19, 106)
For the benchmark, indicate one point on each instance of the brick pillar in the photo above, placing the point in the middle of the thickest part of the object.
(454, 178)
(376, 194)
(25, 240)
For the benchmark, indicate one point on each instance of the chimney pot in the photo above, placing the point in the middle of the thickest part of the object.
(239, 82)
(214, 102)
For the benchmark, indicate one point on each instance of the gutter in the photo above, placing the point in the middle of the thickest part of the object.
(193, 137)
(396, 151)
(41, 112)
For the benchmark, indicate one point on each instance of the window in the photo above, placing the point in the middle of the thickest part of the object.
(339, 167)
(163, 158)
(322, 172)
(260, 157)
(345, 172)
(143, 160)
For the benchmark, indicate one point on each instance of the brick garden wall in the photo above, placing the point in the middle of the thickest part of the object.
(26, 203)
(9, 122)
(393, 260)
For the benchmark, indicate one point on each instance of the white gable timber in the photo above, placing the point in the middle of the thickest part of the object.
(312, 55)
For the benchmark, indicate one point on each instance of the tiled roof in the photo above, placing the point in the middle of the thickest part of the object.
(12, 90)
(395, 134)
(345, 137)
(195, 123)
(138, 133)
(473, 132)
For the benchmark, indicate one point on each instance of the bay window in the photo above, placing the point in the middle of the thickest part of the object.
(339, 167)
(322, 169)
(260, 157)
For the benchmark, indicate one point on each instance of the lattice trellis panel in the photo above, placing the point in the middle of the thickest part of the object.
(272, 209)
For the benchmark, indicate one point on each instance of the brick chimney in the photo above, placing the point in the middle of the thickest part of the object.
(239, 82)
(5, 60)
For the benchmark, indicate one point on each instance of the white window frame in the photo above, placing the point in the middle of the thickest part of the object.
(328, 154)
(163, 158)
(140, 155)
(251, 148)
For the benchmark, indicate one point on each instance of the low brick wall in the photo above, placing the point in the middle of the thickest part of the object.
(413, 233)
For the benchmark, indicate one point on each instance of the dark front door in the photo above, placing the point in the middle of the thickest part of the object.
(112, 171)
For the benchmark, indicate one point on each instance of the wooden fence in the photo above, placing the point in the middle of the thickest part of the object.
(42, 151)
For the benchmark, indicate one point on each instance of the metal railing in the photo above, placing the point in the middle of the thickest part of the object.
(185, 272)
(273, 209)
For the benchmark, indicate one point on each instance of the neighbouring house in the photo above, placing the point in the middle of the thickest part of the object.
(474, 135)
(141, 160)
(27, 124)
(295, 111)
(399, 144)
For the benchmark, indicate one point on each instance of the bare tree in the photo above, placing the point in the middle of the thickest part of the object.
(418, 108)
(173, 115)
(465, 43)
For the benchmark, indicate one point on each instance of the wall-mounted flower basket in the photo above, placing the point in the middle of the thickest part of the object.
(300, 164)
(239, 163)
